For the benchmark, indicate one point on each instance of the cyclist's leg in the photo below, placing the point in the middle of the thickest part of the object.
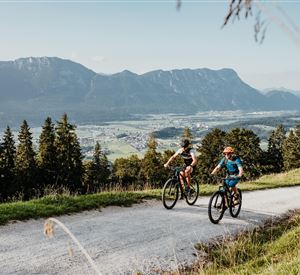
(188, 173)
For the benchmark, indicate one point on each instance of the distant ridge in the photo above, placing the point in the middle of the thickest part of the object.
(36, 87)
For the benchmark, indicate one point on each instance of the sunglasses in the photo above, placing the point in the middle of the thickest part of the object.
(227, 154)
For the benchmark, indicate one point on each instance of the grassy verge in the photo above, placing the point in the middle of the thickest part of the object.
(270, 249)
(58, 205)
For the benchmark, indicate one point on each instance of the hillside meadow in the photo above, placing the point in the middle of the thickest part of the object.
(56, 205)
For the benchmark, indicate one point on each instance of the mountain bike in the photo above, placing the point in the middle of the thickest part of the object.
(173, 187)
(221, 200)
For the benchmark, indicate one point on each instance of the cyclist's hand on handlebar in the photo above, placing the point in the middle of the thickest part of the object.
(166, 165)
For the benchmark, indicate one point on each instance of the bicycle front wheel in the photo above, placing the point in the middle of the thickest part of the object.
(170, 193)
(235, 204)
(192, 195)
(216, 207)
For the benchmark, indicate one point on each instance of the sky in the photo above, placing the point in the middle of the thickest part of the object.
(145, 35)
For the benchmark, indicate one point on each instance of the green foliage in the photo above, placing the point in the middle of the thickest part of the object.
(210, 153)
(127, 170)
(152, 167)
(246, 145)
(47, 154)
(7, 165)
(187, 134)
(291, 149)
(96, 171)
(25, 162)
(275, 149)
(70, 167)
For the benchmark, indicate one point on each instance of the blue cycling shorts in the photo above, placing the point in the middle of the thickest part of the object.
(232, 182)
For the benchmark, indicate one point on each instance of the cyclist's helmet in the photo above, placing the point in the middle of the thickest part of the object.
(228, 150)
(185, 143)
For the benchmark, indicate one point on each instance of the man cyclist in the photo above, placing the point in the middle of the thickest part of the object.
(190, 160)
(234, 169)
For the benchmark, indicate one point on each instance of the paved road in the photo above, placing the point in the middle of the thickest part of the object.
(125, 240)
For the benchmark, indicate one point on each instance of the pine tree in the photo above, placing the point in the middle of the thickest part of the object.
(210, 154)
(246, 145)
(187, 134)
(7, 163)
(291, 149)
(275, 149)
(47, 154)
(96, 171)
(25, 162)
(152, 165)
(70, 167)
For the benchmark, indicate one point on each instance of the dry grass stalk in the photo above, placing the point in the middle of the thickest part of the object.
(49, 232)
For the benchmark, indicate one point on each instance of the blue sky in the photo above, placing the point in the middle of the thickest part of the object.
(140, 36)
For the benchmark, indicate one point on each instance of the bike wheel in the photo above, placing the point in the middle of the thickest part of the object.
(170, 193)
(235, 206)
(192, 197)
(216, 207)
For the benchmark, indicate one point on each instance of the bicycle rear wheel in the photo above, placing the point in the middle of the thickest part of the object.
(170, 193)
(193, 194)
(235, 205)
(216, 207)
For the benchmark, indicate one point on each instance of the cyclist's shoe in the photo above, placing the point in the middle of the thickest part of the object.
(181, 196)
(236, 199)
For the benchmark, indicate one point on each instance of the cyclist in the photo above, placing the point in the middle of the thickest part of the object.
(188, 154)
(234, 169)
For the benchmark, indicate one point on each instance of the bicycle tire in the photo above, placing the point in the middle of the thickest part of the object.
(194, 190)
(234, 209)
(170, 193)
(216, 207)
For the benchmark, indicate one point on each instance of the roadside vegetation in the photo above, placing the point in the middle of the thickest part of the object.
(61, 204)
(269, 249)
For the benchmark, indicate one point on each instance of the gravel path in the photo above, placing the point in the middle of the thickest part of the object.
(124, 240)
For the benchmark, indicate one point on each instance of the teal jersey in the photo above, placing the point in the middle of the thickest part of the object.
(232, 166)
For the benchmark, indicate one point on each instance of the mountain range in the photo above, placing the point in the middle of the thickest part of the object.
(34, 88)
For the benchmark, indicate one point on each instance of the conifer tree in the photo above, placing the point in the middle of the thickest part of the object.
(152, 165)
(210, 153)
(7, 163)
(246, 145)
(275, 149)
(25, 162)
(96, 171)
(187, 134)
(291, 149)
(70, 167)
(47, 154)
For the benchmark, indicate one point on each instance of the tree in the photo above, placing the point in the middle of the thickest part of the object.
(47, 154)
(96, 171)
(7, 165)
(152, 165)
(25, 162)
(127, 170)
(70, 167)
(210, 154)
(187, 134)
(246, 145)
(275, 149)
(291, 149)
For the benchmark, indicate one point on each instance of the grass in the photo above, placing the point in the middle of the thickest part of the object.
(270, 249)
(55, 205)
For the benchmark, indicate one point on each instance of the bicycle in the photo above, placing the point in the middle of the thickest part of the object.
(221, 200)
(170, 192)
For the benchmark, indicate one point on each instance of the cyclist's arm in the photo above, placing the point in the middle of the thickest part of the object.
(241, 171)
(217, 168)
(194, 162)
(171, 159)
